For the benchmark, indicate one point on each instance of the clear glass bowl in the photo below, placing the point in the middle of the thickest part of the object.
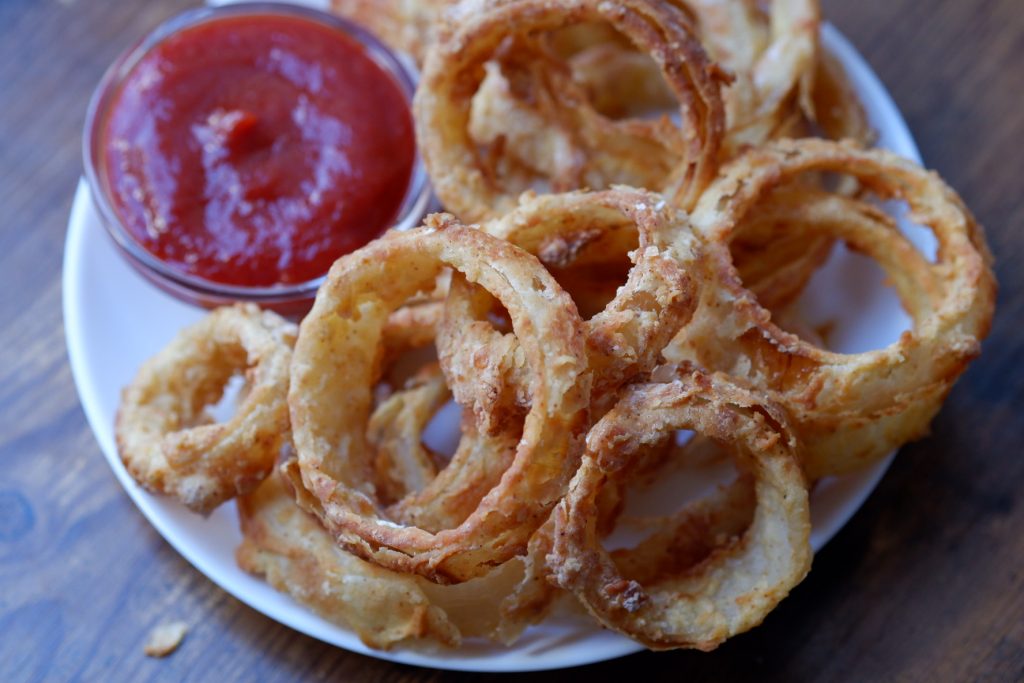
(290, 299)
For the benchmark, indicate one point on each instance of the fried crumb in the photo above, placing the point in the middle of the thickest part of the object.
(165, 639)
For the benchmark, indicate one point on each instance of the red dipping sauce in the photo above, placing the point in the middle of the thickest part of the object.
(255, 149)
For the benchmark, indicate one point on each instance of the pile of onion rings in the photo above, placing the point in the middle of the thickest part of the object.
(605, 279)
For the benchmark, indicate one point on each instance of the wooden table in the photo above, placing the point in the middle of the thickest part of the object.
(926, 582)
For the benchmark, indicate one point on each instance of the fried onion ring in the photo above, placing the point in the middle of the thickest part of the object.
(624, 339)
(330, 399)
(735, 587)
(849, 409)
(453, 73)
(167, 440)
(407, 26)
(394, 431)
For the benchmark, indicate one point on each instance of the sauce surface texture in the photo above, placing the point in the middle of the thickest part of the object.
(256, 150)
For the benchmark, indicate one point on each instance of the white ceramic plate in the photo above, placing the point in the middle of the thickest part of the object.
(114, 320)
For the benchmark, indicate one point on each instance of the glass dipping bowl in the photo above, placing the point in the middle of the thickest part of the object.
(292, 299)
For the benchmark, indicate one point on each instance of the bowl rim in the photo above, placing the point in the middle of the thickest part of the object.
(193, 288)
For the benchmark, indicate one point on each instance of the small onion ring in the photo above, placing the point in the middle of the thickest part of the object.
(625, 339)
(489, 439)
(167, 441)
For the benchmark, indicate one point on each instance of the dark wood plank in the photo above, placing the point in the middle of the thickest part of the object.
(926, 583)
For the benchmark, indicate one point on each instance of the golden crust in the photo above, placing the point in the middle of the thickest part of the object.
(689, 603)
(294, 554)
(625, 338)
(404, 25)
(402, 462)
(330, 398)
(850, 409)
(477, 32)
(166, 439)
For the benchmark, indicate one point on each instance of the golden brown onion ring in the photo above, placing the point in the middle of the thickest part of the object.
(489, 439)
(780, 81)
(330, 399)
(167, 440)
(625, 339)
(454, 71)
(773, 58)
(849, 409)
(736, 586)
(485, 368)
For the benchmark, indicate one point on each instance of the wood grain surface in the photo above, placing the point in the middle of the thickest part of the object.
(925, 584)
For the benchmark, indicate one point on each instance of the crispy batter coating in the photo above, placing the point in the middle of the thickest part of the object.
(333, 371)
(683, 602)
(296, 555)
(849, 409)
(407, 26)
(166, 438)
(583, 147)
(625, 338)
(403, 463)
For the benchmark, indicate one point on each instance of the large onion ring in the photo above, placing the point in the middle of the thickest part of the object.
(739, 583)
(330, 398)
(453, 73)
(848, 409)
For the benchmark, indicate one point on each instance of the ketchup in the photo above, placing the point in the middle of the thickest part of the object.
(255, 150)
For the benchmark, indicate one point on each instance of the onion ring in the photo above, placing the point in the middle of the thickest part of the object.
(166, 439)
(408, 26)
(739, 583)
(774, 60)
(849, 409)
(403, 463)
(452, 74)
(625, 339)
(339, 340)
(478, 376)
(783, 74)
